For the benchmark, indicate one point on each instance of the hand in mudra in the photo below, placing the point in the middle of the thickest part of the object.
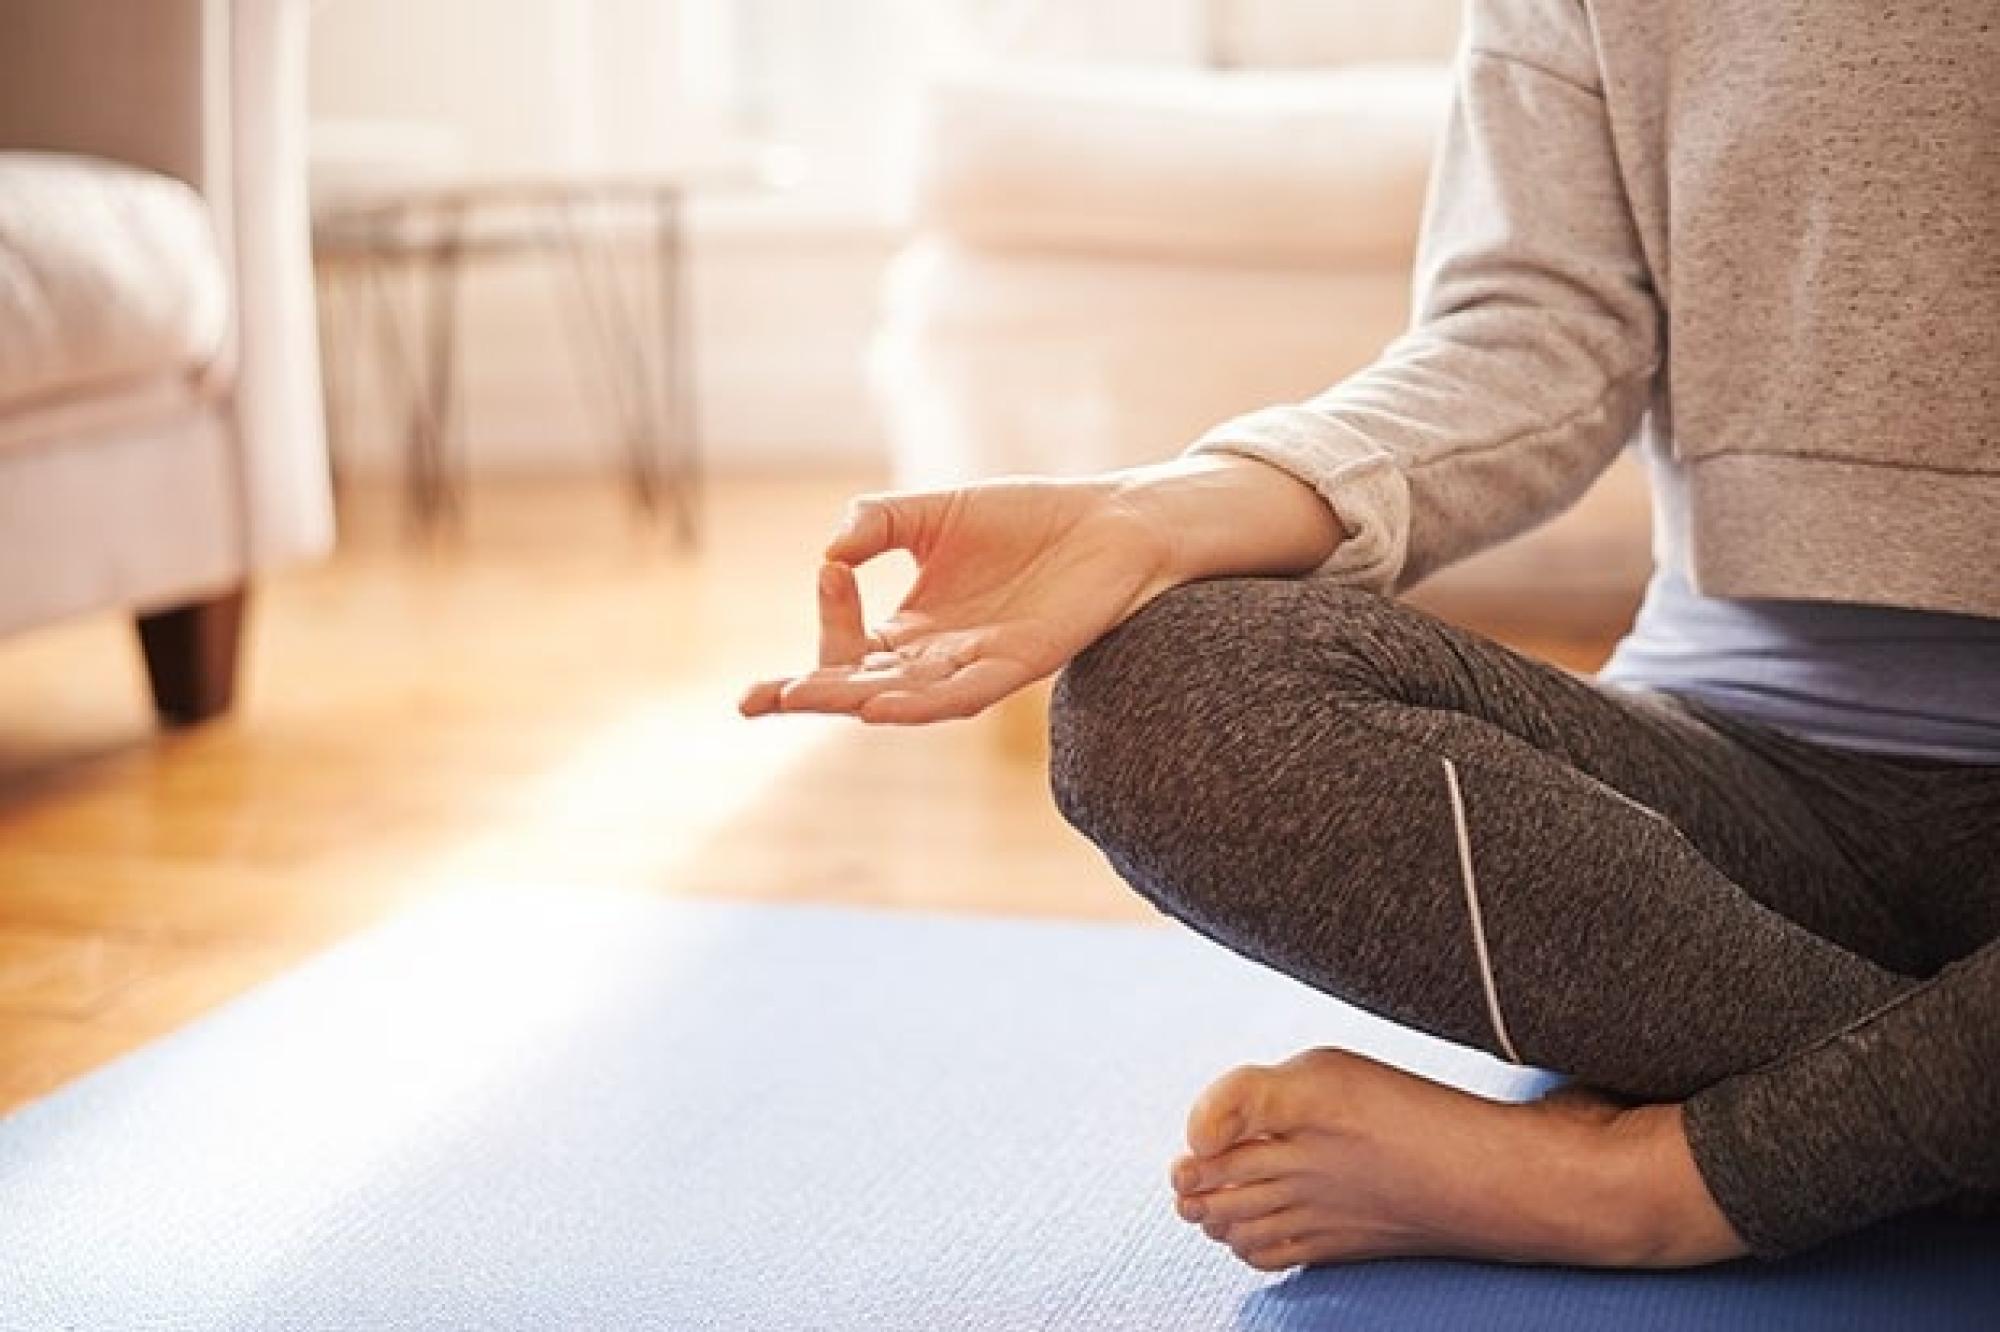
(1014, 578)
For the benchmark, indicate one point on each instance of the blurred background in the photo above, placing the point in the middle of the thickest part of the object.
(455, 395)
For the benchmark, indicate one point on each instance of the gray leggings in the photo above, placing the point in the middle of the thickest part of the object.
(1799, 942)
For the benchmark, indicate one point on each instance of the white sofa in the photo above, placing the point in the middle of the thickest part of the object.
(1106, 258)
(160, 429)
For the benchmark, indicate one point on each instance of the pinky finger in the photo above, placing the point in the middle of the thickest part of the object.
(965, 693)
(761, 699)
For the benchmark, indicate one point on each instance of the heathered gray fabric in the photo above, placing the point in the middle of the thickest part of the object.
(1677, 905)
(1760, 236)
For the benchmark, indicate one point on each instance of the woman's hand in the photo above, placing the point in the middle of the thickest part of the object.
(1014, 578)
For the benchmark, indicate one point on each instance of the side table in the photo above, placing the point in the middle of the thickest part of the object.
(617, 250)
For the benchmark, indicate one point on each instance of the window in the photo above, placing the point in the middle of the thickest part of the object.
(835, 83)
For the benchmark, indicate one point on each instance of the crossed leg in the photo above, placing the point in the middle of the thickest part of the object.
(1423, 823)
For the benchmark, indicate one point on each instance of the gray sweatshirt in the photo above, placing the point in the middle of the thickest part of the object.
(1760, 237)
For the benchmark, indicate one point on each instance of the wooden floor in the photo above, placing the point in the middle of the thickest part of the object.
(545, 701)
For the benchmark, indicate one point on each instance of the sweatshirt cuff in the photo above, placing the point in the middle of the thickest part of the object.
(1358, 479)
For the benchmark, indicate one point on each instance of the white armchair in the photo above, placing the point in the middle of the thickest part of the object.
(160, 433)
(1107, 259)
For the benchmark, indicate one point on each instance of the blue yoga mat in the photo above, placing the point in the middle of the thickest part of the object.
(538, 1112)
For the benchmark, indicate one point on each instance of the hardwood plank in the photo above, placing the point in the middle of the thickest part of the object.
(61, 974)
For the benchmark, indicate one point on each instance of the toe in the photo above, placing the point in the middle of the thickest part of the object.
(1269, 1231)
(1301, 1250)
(1230, 1207)
(1269, 1260)
(1308, 1091)
(1252, 1163)
(1279, 1256)
(1229, 1110)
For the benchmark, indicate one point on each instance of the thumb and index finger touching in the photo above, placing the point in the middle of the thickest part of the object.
(873, 525)
(869, 528)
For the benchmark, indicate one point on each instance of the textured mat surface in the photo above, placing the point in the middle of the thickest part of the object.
(636, 1114)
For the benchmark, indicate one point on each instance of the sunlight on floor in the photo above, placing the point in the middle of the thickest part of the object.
(439, 1018)
(681, 767)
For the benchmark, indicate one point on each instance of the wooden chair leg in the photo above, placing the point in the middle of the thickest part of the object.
(191, 656)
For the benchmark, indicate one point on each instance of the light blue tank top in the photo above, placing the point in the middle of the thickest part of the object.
(1872, 678)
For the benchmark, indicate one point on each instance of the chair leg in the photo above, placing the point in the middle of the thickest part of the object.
(191, 656)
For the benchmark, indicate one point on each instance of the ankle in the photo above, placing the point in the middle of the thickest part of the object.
(1657, 1209)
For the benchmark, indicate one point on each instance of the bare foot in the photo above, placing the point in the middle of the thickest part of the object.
(1332, 1157)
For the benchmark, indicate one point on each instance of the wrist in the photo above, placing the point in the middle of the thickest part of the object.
(1221, 515)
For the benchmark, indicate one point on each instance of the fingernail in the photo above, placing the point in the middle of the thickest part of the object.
(1193, 1210)
(829, 579)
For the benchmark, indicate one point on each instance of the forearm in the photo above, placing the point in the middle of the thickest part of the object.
(1536, 328)
(1222, 516)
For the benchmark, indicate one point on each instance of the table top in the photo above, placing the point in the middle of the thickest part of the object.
(503, 212)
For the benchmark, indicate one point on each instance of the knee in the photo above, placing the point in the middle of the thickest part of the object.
(1194, 655)
(1144, 722)
(1209, 713)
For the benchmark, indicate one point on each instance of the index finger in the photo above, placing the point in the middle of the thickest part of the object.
(843, 637)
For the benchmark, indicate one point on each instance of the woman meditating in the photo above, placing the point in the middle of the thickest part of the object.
(1744, 888)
